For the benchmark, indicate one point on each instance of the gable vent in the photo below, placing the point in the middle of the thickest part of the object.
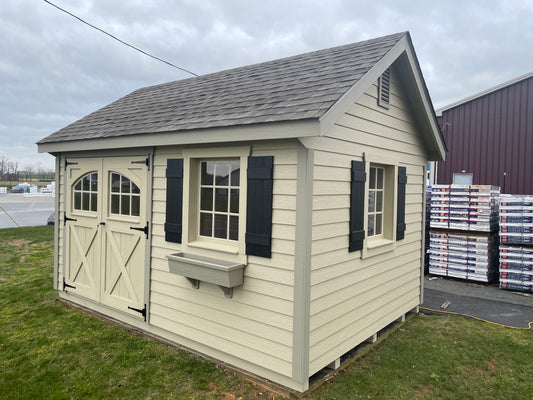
(384, 89)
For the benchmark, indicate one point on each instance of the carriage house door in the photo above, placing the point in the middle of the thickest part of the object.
(107, 231)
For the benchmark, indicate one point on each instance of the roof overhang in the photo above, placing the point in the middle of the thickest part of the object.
(231, 134)
(416, 89)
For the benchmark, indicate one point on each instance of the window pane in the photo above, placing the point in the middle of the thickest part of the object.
(234, 201)
(221, 226)
(135, 205)
(94, 182)
(371, 225)
(94, 201)
(78, 186)
(85, 201)
(380, 177)
(222, 173)
(115, 183)
(86, 182)
(371, 201)
(206, 199)
(372, 181)
(378, 224)
(115, 204)
(125, 205)
(379, 201)
(125, 186)
(233, 227)
(221, 200)
(235, 173)
(207, 172)
(77, 199)
(206, 222)
(135, 188)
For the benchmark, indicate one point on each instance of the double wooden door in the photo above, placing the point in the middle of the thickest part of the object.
(106, 231)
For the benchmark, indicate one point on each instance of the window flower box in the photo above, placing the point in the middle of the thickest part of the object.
(195, 268)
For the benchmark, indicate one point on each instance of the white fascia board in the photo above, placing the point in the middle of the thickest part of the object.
(353, 94)
(429, 112)
(230, 134)
(356, 91)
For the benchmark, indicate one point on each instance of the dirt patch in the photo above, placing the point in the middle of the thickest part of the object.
(18, 242)
(492, 365)
(423, 390)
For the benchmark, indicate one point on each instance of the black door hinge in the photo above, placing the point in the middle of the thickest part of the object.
(65, 218)
(145, 162)
(146, 229)
(142, 312)
(66, 285)
(67, 163)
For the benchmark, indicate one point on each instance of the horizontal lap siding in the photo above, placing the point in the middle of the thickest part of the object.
(352, 297)
(256, 324)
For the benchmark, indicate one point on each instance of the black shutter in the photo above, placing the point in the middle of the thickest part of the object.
(400, 223)
(259, 206)
(357, 206)
(173, 220)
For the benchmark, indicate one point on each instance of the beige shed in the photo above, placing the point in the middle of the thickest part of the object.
(270, 216)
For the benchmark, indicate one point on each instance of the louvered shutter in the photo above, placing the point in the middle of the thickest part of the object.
(259, 206)
(174, 206)
(400, 222)
(357, 206)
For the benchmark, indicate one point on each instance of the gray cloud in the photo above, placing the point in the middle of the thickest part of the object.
(54, 69)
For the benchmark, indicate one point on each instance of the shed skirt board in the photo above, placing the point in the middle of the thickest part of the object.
(105, 244)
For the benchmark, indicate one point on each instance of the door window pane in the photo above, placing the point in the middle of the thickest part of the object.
(85, 193)
(125, 197)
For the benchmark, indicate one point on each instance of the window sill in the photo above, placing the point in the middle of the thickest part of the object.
(224, 248)
(377, 246)
(374, 243)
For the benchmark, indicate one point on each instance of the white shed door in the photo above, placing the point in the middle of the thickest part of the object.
(107, 231)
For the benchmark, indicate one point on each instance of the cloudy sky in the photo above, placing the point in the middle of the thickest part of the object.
(55, 69)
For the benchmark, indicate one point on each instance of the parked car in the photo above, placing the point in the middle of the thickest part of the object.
(51, 219)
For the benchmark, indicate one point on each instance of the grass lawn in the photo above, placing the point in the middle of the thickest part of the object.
(50, 351)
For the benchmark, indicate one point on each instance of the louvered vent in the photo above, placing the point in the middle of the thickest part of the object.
(384, 89)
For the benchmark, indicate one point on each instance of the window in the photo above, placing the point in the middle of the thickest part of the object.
(384, 89)
(125, 196)
(219, 199)
(86, 193)
(376, 188)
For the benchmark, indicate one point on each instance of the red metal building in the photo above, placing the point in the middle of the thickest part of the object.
(490, 135)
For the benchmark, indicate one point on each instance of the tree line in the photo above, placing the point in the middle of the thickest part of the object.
(12, 171)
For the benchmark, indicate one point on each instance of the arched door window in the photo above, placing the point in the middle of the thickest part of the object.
(125, 196)
(86, 193)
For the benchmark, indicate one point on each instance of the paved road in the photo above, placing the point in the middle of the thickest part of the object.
(484, 301)
(26, 211)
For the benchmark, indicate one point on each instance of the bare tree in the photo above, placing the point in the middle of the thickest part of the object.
(29, 171)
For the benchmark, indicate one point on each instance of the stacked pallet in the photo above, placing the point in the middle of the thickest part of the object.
(471, 256)
(516, 231)
(464, 207)
(454, 209)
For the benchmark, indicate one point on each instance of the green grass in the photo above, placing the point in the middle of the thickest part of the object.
(51, 351)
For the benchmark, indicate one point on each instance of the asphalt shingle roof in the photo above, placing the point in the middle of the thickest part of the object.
(299, 87)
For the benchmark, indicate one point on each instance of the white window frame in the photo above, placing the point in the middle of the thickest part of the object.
(191, 239)
(386, 241)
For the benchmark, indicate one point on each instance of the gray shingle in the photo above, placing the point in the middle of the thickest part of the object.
(299, 87)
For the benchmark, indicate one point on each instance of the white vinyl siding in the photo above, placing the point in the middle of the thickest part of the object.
(352, 297)
(255, 326)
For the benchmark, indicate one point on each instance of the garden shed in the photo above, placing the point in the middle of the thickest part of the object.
(270, 216)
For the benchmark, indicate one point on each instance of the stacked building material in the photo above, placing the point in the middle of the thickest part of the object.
(463, 207)
(472, 256)
(516, 231)
(439, 196)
